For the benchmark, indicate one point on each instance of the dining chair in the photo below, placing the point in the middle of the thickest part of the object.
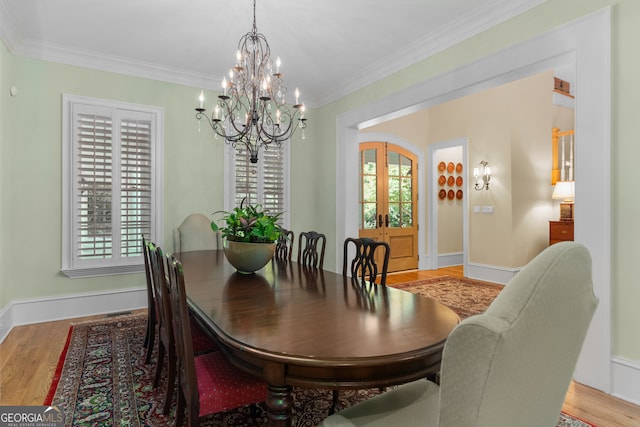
(208, 383)
(203, 342)
(362, 268)
(165, 329)
(284, 245)
(195, 234)
(363, 265)
(308, 253)
(152, 320)
(511, 365)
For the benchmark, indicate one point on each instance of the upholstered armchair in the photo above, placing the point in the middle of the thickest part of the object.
(509, 366)
(194, 234)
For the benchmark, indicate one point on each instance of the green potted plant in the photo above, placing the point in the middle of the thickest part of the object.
(249, 236)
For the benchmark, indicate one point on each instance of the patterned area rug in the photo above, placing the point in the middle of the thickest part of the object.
(464, 296)
(102, 381)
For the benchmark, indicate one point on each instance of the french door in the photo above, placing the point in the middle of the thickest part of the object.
(388, 201)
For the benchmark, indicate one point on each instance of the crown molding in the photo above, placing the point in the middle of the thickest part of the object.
(113, 64)
(10, 31)
(465, 27)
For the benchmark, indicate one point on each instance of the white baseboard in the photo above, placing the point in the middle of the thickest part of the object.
(447, 260)
(625, 380)
(490, 273)
(6, 322)
(24, 312)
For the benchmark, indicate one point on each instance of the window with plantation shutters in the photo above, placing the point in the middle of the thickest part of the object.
(111, 193)
(265, 182)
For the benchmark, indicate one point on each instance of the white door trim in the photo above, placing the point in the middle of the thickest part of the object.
(432, 182)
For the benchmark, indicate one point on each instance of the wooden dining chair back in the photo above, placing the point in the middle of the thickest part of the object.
(311, 246)
(208, 383)
(152, 316)
(166, 345)
(284, 245)
(363, 267)
(187, 382)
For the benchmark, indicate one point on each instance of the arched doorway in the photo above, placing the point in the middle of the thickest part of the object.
(388, 205)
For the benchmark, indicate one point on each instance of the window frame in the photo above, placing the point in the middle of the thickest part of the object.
(229, 180)
(72, 265)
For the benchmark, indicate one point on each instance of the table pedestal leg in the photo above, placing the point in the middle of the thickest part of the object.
(280, 405)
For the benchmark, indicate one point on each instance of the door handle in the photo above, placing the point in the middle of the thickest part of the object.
(379, 220)
(386, 220)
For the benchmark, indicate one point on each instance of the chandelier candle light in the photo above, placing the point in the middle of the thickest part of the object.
(252, 109)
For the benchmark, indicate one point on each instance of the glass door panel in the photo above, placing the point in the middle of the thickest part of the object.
(388, 199)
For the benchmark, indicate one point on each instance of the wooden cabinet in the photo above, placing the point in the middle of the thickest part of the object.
(560, 231)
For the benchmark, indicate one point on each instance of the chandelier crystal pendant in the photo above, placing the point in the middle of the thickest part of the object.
(252, 109)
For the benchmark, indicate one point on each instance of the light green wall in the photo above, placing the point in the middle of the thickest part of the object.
(31, 181)
(315, 180)
(192, 174)
(31, 150)
(625, 233)
(5, 292)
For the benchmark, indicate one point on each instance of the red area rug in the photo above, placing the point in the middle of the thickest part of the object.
(102, 381)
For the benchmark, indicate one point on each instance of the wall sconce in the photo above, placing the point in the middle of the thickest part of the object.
(483, 172)
(565, 191)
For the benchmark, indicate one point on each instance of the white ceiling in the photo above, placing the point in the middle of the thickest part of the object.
(328, 48)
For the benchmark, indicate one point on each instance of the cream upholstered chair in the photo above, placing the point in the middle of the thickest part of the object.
(194, 234)
(509, 366)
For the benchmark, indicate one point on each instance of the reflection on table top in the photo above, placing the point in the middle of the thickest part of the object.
(316, 317)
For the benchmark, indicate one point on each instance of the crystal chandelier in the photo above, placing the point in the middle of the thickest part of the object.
(252, 109)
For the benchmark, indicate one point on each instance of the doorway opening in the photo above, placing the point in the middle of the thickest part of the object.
(584, 42)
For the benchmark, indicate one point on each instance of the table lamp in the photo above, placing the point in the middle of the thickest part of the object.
(565, 191)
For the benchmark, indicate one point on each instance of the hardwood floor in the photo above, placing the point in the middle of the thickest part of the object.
(29, 355)
(28, 359)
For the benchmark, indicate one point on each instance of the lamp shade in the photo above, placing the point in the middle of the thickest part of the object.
(564, 190)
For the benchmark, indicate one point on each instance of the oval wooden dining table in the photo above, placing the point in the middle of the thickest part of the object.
(314, 328)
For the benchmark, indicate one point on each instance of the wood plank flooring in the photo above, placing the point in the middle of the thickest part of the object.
(30, 353)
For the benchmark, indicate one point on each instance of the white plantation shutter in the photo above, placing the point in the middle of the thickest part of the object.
(265, 182)
(94, 182)
(111, 192)
(246, 178)
(135, 184)
(273, 180)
